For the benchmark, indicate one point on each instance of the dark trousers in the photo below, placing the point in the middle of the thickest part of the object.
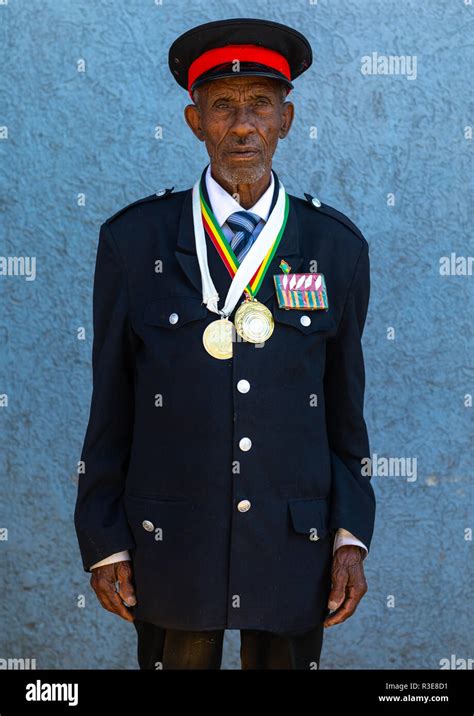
(160, 648)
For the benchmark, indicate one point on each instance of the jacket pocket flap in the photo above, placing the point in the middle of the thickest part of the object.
(304, 321)
(174, 311)
(310, 517)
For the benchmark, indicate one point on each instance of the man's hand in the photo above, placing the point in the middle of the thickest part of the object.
(348, 583)
(112, 583)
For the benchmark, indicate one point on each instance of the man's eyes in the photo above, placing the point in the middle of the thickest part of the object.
(261, 102)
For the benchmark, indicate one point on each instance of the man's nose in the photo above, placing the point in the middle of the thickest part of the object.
(244, 122)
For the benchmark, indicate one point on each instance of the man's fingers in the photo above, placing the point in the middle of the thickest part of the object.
(123, 573)
(348, 584)
(354, 595)
(111, 601)
(105, 602)
(119, 608)
(338, 590)
(345, 611)
(103, 584)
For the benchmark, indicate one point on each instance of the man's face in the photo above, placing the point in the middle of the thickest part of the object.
(240, 119)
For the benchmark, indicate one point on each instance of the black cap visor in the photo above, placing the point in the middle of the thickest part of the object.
(248, 69)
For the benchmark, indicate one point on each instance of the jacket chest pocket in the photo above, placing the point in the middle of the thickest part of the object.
(306, 322)
(173, 312)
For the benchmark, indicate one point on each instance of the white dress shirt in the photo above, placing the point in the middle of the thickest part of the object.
(223, 205)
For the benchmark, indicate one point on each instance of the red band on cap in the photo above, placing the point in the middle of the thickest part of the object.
(241, 53)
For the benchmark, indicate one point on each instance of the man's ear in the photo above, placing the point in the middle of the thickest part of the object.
(288, 114)
(193, 119)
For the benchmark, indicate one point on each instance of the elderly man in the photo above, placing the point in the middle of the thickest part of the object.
(223, 483)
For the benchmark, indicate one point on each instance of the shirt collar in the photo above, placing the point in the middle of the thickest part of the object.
(223, 204)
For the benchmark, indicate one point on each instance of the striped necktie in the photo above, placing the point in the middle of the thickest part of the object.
(243, 224)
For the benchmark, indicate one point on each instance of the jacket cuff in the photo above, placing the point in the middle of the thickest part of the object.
(116, 557)
(344, 537)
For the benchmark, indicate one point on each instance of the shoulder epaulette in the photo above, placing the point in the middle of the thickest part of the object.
(335, 214)
(160, 194)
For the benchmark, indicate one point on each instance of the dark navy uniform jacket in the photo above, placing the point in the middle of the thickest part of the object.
(164, 472)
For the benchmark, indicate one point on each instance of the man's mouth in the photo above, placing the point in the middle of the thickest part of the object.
(244, 153)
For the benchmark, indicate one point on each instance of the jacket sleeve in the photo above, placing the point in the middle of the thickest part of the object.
(100, 521)
(352, 495)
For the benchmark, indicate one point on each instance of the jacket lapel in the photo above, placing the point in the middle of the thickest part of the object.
(186, 249)
(288, 249)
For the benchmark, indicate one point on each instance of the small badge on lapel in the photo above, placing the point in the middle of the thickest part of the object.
(284, 266)
(304, 291)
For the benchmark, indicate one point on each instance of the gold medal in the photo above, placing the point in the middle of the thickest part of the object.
(253, 321)
(218, 337)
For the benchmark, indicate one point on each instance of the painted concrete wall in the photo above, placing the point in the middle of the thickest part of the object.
(392, 152)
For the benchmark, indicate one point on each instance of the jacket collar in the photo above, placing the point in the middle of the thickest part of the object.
(288, 249)
(224, 204)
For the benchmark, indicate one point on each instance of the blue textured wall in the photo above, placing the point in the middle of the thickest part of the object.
(93, 133)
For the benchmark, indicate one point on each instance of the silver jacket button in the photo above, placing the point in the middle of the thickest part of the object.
(305, 321)
(245, 444)
(243, 386)
(315, 202)
(174, 318)
(161, 192)
(148, 526)
(244, 506)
